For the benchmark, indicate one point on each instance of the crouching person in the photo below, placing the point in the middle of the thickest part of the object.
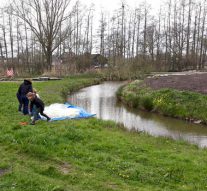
(39, 107)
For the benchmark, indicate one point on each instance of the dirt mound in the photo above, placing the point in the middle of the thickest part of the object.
(192, 82)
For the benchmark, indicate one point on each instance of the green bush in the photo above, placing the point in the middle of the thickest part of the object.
(147, 103)
(119, 92)
(135, 101)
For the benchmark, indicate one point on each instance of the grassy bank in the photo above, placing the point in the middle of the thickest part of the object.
(180, 104)
(89, 154)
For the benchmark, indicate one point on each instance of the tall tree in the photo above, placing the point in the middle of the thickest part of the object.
(3, 26)
(188, 29)
(45, 18)
(202, 35)
(102, 34)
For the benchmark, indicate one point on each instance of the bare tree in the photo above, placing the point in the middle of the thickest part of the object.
(10, 22)
(146, 14)
(158, 40)
(188, 29)
(3, 26)
(202, 35)
(122, 44)
(45, 18)
(89, 23)
(169, 48)
(198, 36)
(138, 31)
(102, 33)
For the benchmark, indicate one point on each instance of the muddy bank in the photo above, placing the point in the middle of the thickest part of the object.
(192, 82)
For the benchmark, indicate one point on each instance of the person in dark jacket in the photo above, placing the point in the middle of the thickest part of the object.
(39, 104)
(24, 88)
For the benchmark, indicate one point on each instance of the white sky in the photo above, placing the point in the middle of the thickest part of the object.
(109, 5)
(114, 4)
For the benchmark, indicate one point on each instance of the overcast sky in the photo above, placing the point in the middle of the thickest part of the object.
(113, 4)
(108, 5)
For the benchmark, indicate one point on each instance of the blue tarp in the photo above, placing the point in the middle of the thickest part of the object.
(81, 113)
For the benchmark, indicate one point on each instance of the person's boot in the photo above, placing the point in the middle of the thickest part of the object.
(32, 123)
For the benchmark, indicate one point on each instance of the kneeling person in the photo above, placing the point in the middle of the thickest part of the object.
(38, 103)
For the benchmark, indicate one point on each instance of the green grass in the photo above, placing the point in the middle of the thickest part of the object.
(90, 154)
(180, 104)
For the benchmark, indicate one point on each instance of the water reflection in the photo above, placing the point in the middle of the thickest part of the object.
(101, 100)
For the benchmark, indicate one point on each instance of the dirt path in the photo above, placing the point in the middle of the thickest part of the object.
(196, 82)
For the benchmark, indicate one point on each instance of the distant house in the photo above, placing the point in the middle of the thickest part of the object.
(99, 61)
(67, 57)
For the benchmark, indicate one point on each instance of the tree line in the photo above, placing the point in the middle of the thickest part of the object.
(173, 38)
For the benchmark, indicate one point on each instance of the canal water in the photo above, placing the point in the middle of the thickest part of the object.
(101, 100)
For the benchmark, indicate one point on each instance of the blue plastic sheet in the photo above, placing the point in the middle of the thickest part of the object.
(81, 113)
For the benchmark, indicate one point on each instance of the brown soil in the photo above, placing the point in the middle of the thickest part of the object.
(191, 82)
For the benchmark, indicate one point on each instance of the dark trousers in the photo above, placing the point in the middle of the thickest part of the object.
(25, 103)
(36, 114)
(20, 102)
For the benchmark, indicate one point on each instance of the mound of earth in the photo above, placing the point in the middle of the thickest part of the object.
(192, 82)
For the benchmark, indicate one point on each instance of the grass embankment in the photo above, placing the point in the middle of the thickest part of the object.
(180, 104)
(89, 154)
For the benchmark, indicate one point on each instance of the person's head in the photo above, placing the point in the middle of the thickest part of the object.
(28, 81)
(30, 96)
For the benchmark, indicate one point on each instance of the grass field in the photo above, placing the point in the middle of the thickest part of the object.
(90, 154)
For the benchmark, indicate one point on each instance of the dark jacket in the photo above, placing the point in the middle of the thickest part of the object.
(38, 103)
(24, 88)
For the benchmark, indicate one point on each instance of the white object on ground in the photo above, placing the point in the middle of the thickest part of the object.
(58, 110)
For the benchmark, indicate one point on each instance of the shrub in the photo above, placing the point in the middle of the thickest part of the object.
(135, 101)
(147, 103)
